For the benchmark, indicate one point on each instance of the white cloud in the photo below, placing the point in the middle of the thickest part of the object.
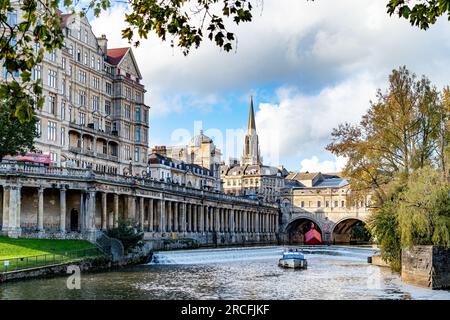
(300, 123)
(315, 165)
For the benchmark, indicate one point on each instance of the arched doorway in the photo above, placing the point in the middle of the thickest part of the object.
(74, 216)
(351, 231)
(296, 230)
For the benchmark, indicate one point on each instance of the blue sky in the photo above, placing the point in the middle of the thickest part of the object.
(309, 66)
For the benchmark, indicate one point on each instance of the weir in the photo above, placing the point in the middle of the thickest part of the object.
(210, 256)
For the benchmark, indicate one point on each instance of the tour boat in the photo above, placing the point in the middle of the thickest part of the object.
(313, 236)
(293, 259)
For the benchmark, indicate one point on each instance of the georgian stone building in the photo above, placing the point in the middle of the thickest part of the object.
(94, 113)
(200, 151)
(170, 170)
(251, 178)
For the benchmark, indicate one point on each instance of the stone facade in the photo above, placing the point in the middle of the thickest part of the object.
(54, 202)
(426, 266)
(94, 112)
(322, 199)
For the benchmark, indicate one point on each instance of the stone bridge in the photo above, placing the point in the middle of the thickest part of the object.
(77, 203)
(334, 224)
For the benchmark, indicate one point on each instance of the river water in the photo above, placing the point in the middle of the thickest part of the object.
(238, 273)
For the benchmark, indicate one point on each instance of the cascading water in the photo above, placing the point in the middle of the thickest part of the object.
(206, 256)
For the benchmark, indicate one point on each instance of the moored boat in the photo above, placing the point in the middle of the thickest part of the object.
(293, 259)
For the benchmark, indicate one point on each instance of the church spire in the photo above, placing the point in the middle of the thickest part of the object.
(251, 117)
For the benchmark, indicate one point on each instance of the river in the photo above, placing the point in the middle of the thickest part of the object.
(238, 273)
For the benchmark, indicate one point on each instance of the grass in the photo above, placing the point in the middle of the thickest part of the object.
(26, 253)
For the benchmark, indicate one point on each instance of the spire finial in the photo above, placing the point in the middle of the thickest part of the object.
(251, 117)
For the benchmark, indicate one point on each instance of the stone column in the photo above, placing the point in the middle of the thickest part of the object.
(91, 211)
(169, 216)
(132, 208)
(141, 212)
(6, 222)
(206, 218)
(183, 216)
(217, 219)
(176, 220)
(195, 229)
(276, 223)
(150, 215)
(104, 210)
(116, 210)
(18, 208)
(246, 221)
(162, 215)
(201, 218)
(189, 218)
(40, 216)
(63, 210)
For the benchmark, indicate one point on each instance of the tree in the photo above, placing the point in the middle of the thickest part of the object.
(422, 13)
(397, 155)
(401, 132)
(128, 233)
(15, 136)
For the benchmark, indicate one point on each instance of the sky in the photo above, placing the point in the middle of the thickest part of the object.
(308, 65)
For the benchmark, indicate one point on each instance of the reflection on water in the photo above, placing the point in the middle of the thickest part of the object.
(246, 273)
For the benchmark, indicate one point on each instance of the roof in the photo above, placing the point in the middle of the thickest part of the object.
(251, 170)
(116, 55)
(302, 175)
(156, 158)
(199, 139)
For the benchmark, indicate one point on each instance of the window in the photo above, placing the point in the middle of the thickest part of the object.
(82, 77)
(108, 108)
(86, 36)
(63, 111)
(335, 204)
(63, 86)
(51, 131)
(92, 62)
(53, 55)
(144, 136)
(70, 114)
(36, 74)
(95, 103)
(53, 156)
(82, 116)
(343, 204)
(327, 204)
(96, 82)
(63, 63)
(70, 92)
(98, 64)
(319, 204)
(38, 128)
(136, 155)
(127, 153)
(51, 104)
(82, 98)
(85, 58)
(302, 204)
(127, 131)
(63, 136)
(138, 134)
(78, 55)
(127, 111)
(108, 88)
(51, 78)
(36, 47)
(12, 18)
(138, 113)
(71, 50)
(128, 92)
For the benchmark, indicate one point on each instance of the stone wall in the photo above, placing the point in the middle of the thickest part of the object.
(426, 266)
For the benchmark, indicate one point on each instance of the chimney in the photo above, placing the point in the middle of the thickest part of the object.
(103, 43)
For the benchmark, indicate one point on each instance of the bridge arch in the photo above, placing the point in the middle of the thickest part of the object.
(350, 230)
(298, 226)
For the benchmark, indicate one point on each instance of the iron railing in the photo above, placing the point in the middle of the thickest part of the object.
(47, 259)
